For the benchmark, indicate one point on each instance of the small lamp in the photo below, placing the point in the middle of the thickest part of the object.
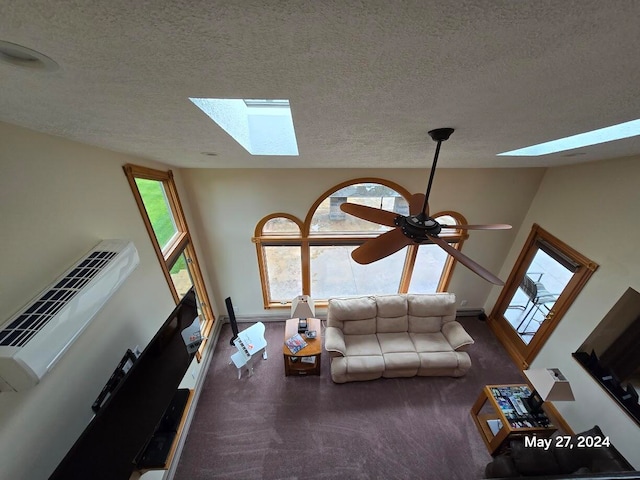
(302, 308)
(549, 384)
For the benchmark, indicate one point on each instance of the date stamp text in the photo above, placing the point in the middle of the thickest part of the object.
(565, 441)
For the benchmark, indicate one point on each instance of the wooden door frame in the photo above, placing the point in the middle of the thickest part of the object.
(521, 353)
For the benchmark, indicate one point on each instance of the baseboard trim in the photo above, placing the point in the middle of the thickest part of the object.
(469, 312)
(264, 318)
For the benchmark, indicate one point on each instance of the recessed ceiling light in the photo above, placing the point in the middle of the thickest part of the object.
(20, 56)
(594, 137)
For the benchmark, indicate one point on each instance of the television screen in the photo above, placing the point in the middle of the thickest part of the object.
(108, 447)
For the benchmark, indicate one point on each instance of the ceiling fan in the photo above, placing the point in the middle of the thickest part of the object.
(417, 227)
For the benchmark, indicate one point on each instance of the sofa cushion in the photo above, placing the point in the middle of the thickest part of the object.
(400, 357)
(363, 354)
(443, 363)
(365, 364)
(354, 316)
(356, 345)
(430, 342)
(427, 313)
(392, 313)
(401, 364)
(395, 342)
(425, 324)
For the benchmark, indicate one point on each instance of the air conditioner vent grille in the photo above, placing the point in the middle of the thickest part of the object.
(36, 316)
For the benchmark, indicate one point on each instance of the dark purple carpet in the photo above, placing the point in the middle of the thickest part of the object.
(269, 426)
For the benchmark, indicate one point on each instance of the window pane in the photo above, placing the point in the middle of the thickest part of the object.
(181, 276)
(284, 272)
(157, 206)
(544, 281)
(280, 226)
(335, 274)
(182, 279)
(447, 220)
(328, 218)
(428, 269)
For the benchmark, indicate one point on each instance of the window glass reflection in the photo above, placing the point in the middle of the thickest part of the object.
(536, 295)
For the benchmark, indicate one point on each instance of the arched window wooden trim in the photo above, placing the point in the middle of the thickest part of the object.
(258, 232)
(307, 221)
(305, 240)
(261, 240)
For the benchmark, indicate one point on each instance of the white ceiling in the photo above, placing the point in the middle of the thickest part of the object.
(366, 79)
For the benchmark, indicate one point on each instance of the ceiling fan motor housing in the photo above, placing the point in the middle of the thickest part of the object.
(418, 227)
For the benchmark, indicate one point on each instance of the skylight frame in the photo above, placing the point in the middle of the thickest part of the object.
(261, 126)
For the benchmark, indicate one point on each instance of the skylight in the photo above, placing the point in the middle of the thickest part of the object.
(602, 135)
(261, 126)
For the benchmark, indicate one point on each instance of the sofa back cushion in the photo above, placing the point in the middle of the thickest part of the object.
(427, 313)
(392, 314)
(354, 316)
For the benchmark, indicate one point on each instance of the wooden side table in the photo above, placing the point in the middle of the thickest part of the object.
(499, 416)
(307, 360)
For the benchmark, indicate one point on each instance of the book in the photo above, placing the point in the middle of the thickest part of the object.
(311, 360)
(295, 343)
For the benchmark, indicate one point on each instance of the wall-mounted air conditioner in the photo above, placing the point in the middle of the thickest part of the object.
(35, 338)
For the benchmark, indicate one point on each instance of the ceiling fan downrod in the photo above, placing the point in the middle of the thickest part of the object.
(438, 135)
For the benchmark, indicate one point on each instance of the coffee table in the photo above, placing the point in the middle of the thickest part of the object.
(500, 414)
(307, 360)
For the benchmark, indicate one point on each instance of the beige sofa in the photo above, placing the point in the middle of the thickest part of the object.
(395, 336)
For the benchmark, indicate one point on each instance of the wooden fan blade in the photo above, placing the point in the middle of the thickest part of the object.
(466, 261)
(415, 204)
(370, 214)
(493, 226)
(383, 246)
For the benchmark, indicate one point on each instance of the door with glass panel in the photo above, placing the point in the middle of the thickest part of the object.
(545, 280)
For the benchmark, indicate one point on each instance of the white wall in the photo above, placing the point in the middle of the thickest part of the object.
(57, 200)
(593, 208)
(227, 205)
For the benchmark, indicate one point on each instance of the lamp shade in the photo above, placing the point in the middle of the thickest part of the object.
(302, 307)
(550, 384)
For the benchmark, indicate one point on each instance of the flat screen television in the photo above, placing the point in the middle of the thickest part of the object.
(108, 447)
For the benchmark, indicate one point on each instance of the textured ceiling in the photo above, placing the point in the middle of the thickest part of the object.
(366, 79)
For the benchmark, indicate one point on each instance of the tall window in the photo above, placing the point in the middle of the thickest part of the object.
(157, 198)
(314, 257)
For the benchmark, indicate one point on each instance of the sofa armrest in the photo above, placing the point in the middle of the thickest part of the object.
(456, 335)
(334, 341)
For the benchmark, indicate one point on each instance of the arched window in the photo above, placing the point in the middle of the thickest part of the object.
(279, 240)
(314, 257)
